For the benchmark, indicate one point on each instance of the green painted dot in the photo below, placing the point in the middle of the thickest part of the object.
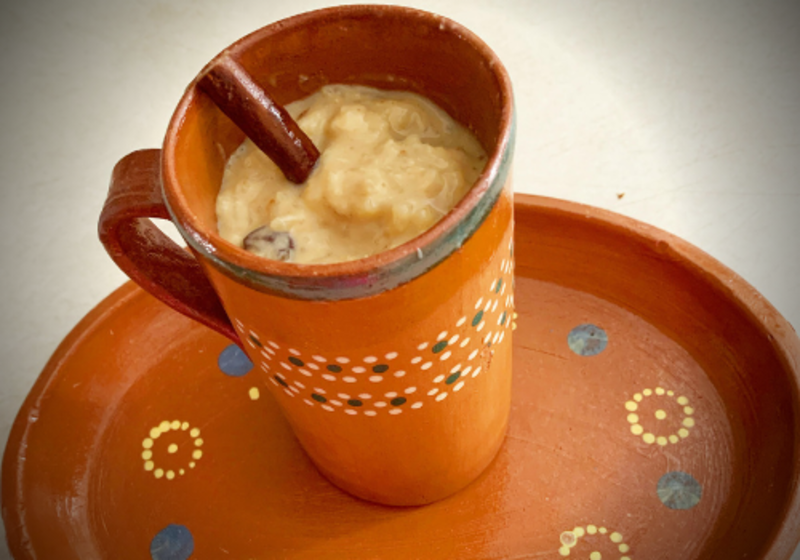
(380, 368)
(256, 341)
(318, 398)
(477, 318)
(499, 284)
(452, 379)
(334, 368)
(439, 346)
(397, 401)
(296, 361)
(503, 318)
(281, 381)
(354, 402)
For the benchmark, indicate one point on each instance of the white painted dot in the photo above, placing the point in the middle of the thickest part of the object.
(456, 368)
(335, 402)
(477, 305)
(466, 370)
(399, 373)
(365, 396)
(326, 407)
(269, 351)
(433, 392)
(342, 360)
(375, 378)
(426, 365)
(410, 390)
(286, 366)
(494, 306)
(416, 405)
(306, 373)
(294, 390)
(502, 336)
(370, 413)
(461, 321)
(350, 411)
(441, 396)
(503, 290)
(319, 359)
(281, 376)
(487, 337)
(293, 351)
(480, 327)
(359, 369)
(308, 402)
(380, 404)
(495, 337)
(422, 346)
(264, 366)
(391, 355)
(288, 392)
(416, 359)
(438, 379)
(266, 354)
(473, 354)
(442, 336)
(458, 386)
(344, 396)
(319, 391)
(396, 411)
(453, 339)
(476, 372)
(390, 395)
(349, 379)
(464, 342)
(273, 344)
(313, 366)
(370, 359)
(494, 282)
(488, 305)
(274, 382)
(446, 355)
(328, 377)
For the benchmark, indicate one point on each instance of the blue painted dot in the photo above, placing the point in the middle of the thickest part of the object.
(173, 542)
(587, 340)
(678, 490)
(233, 361)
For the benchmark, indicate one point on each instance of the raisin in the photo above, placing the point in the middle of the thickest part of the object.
(270, 244)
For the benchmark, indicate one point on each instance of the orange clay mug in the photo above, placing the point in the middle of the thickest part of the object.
(394, 371)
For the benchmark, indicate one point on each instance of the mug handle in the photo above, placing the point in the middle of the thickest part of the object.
(145, 254)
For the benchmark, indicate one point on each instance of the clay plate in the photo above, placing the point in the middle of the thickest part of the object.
(655, 416)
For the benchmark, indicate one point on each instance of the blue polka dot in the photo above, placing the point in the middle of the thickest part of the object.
(173, 542)
(587, 340)
(678, 490)
(233, 361)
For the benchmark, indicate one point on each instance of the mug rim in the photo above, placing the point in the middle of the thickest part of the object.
(375, 273)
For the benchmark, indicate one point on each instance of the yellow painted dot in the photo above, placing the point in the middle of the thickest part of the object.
(688, 410)
(181, 472)
(624, 558)
(660, 391)
(688, 422)
(513, 328)
(649, 438)
(159, 473)
(683, 432)
(568, 539)
(683, 401)
(198, 442)
(196, 454)
(595, 556)
(637, 429)
(563, 551)
(147, 454)
(631, 406)
(176, 424)
(603, 530)
(579, 532)
(192, 465)
(172, 448)
(170, 475)
(164, 426)
(254, 393)
(674, 439)
(623, 548)
(638, 397)
(633, 418)
(149, 466)
(591, 529)
(195, 432)
(185, 426)
(660, 414)
(154, 433)
(647, 392)
(670, 393)
(147, 443)
(661, 440)
(615, 537)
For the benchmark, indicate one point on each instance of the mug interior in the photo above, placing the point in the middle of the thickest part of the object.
(387, 47)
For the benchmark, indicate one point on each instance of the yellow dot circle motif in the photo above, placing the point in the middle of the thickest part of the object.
(595, 536)
(666, 414)
(154, 434)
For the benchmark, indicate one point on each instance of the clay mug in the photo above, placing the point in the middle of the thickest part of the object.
(394, 371)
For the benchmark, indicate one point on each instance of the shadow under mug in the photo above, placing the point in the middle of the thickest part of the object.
(394, 371)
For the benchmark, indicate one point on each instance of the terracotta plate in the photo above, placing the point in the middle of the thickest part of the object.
(655, 416)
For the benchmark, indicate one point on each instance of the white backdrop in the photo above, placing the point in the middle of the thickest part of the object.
(691, 110)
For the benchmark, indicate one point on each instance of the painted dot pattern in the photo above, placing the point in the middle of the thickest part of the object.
(173, 542)
(172, 448)
(679, 490)
(491, 315)
(597, 537)
(667, 423)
